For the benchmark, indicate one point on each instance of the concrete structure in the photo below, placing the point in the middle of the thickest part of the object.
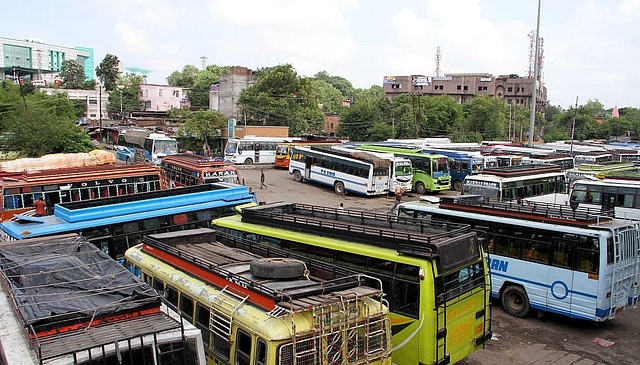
(162, 97)
(32, 59)
(224, 97)
(463, 87)
(93, 98)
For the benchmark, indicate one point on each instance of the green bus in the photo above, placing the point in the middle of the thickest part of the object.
(430, 171)
(434, 276)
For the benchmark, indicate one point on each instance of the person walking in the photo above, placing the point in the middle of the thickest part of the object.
(262, 179)
(41, 207)
(398, 191)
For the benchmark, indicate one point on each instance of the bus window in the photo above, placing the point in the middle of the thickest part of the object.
(171, 295)
(203, 316)
(243, 348)
(261, 352)
(186, 307)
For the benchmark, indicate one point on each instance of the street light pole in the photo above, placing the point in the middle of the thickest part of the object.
(100, 115)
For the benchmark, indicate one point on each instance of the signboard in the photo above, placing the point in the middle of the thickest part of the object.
(231, 127)
(420, 81)
(389, 80)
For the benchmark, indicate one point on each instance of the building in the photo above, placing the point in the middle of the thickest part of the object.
(160, 98)
(463, 87)
(40, 63)
(224, 97)
(93, 98)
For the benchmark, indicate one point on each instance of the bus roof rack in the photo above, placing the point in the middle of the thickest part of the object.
(541, 212)
(406, 235)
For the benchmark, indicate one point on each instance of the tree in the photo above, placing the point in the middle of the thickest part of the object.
(108, 73)
(199, 93)
(72, 74)
(185, 78)
(488, 117)
(356, 121)
(126, 96)
(201, 126)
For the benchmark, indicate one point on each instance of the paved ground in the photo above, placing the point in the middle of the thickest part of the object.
(540, 341)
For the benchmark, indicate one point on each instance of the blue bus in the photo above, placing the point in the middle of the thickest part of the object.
(461, 164)
(117, 223)
(143, 145)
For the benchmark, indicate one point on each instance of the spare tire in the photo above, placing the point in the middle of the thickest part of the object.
(277, 268)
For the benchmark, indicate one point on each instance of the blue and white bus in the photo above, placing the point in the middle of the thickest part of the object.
(142, 145)
(118, 223)
(353, 171)
(548, 257)
(461, 164)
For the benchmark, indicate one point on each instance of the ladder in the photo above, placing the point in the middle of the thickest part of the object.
(222, 309)
(625, 268)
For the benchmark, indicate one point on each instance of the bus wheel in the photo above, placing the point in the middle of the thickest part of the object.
(457, 185)
(277, 268)
(297, 176)
(128, 161)
(339, 187)
(515, 301)
(248, 161)
(420, 189)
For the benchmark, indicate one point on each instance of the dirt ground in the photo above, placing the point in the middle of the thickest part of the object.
(547, 340)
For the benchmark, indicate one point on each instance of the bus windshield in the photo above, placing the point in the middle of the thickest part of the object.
(165, 146)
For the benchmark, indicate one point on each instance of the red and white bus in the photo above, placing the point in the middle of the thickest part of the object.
(185, 169)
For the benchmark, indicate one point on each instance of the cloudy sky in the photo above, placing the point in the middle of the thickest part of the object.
(590, 46)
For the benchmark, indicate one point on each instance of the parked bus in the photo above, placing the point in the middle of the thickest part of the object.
(65, 302)
(351, 171)
(565, 162)
(284, 150)
(21, 189)
(610, 194)
(142, 145)
(430, 172)
(272, 311)
(549, 257)
(598, 171)
(185, 169)
(435, 277)
(516, 182)
(600, 158)
(250, 150)
(115, 224)
(461, 164)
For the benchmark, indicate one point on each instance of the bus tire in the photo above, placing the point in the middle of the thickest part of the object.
(128, 160)
(457, 185)
(420, 188)
(248, 161)
(339, 187)
(515, 301)
(297, 176)
(277, 268)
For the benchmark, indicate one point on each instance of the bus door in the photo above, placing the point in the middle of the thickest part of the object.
(256, 149)
(608, 202)
(561, 275)
(308, 161)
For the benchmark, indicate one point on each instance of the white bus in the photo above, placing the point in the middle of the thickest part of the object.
(253, 150)
(564, 161)
(356, 171)
(593, 158)
(550, 258)
(516, 182)
(622, 196)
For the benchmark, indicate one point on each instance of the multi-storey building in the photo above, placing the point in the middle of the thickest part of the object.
(463, 87)
(160, 98)
(38, 62)
(224, 97)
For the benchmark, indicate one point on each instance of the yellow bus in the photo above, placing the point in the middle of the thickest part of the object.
(435, 276)
(285, 150)
(265, 311)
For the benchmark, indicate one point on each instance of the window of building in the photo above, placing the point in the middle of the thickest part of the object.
(510, 89)
(479, 88)
(159, 92)
(466, 87)
(484, 88)
(459, 87)
(395, 86)
(509, 101)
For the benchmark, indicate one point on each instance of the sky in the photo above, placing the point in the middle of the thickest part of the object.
(590, 47)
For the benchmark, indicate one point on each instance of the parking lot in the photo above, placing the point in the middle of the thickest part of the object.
(549, 339)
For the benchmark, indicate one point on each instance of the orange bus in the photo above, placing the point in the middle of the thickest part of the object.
(283, 150)
(21, 189)
(185, 169)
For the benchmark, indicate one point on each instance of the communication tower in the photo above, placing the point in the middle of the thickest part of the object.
(532, 55)
(437, 73)
(204, 61)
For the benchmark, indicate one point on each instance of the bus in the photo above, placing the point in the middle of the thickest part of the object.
(349, 171)
(186, 169)
(63, 301)
(21, 189)
(620, 195)
(284, 150)
(115, 224)
(461, 164)
(430, 172)
(566, 162)
(435, 277)
(271, 311)
(598, 171)
(548, 257)
(599, 158)
(516, 182)
(143, 145)
(250, 150)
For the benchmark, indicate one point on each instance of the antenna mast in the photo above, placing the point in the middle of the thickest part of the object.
(204, 61)
(437, 73)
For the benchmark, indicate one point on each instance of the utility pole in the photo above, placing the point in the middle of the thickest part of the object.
(100, 115)
(573, 126)
(535, 81)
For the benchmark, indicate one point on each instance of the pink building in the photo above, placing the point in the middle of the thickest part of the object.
(162, 97)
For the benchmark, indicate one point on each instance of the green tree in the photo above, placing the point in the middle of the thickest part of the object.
(72, 74)
(339, 83)
(441, 115)
(108, 73)
(185, 78)
(356, 121)
(199, 93)
(126, 96)
(201, 126)
(488, 117)
(329, 98)
(379, 132)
